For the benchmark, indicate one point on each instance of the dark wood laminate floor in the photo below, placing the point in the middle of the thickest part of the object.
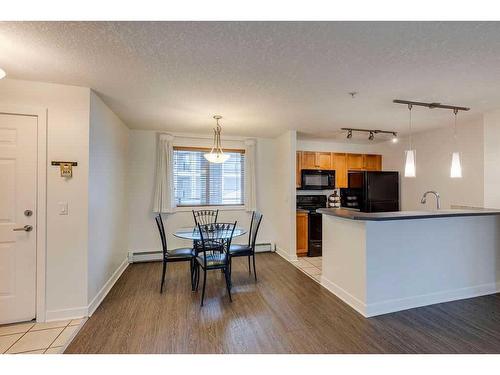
(285, 312)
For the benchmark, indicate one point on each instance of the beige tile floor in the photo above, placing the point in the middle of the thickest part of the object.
(311, 266)
(38, 338)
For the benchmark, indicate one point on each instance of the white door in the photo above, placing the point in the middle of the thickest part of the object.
(18, 160)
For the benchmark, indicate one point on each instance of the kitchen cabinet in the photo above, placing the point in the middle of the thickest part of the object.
(298, 169)
(301, 233)
(316, 160)
(355, 161)
(373, 162)
(339, 164)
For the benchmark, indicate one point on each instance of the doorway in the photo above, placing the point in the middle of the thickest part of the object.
(22, 222)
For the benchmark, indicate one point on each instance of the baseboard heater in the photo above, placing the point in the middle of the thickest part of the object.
(153, 256)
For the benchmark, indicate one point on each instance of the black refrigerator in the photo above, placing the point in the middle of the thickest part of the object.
(371, 191)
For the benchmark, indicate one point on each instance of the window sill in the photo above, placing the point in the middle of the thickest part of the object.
(220, 208)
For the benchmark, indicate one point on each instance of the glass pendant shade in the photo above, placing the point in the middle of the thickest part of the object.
(410, 163)
(456, 167)
(216, 155)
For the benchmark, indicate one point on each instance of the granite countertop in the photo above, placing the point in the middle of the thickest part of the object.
(302, 210)
(404, 215)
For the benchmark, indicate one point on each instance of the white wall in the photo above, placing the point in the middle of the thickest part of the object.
(434, 149)
(143, 234)
(108, 215)
(492, 159)
(67, 139)
(336, 146)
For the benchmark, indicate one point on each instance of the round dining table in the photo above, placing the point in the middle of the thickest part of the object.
(193, 233)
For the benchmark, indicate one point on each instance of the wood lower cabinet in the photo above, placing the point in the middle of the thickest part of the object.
(302, 233)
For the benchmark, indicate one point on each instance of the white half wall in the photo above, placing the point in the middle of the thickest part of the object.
(434, 149)
(108, 207)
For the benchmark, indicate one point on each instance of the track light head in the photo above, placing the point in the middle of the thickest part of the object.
(349, 134)
(394, 137)
(371, 137)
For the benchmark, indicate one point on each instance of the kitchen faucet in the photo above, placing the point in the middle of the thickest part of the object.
(423, 200)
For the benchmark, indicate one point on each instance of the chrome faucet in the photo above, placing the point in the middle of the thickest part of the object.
(423, 200)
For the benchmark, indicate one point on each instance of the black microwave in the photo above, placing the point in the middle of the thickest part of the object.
(317, 179)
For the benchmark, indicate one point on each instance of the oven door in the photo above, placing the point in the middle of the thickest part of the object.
(318, 179)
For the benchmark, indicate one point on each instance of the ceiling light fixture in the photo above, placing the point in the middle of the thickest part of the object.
(216, 155)
(394, 137)
(410, 162)
(372, 132)
(456, 167)
(2, 73)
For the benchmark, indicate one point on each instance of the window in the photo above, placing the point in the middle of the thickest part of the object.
(200, 183)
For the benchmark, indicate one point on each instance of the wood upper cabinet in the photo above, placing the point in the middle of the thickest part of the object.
(339, 164)
(302, 233)
(298, 169)
(316, 160)
(355, 161)
(308, 160)
(373, 162)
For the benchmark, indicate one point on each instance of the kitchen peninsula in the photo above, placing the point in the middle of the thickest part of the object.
(385, 262)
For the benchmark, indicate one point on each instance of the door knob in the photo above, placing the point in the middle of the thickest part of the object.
(26, 228)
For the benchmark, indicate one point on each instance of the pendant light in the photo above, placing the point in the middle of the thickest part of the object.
(216, 155)
(410, 154)
(2, 73)
(456, 167)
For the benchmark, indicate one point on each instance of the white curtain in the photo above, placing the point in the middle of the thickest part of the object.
(164, 195)
(250, 193)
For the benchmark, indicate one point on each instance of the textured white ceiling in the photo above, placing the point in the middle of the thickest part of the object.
(265, 77)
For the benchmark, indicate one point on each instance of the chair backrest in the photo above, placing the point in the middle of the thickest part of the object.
(161, 229)
(254, 228)
(203, 217)
(216, 233)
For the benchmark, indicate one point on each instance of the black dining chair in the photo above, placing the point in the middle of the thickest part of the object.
(175, 255)
(247, 250)
(209, 258)
(203, 217)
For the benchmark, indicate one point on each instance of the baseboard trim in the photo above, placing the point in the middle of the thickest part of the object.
(345, 296)
(96, 301)
(394, 305)
(285, 255)
(64, 314)
(389, 306)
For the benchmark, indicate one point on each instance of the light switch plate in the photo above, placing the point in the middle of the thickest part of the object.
(63, 208)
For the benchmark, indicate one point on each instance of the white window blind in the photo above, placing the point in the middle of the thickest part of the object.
(200, 183)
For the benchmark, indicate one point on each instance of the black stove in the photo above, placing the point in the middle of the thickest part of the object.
(311, 203)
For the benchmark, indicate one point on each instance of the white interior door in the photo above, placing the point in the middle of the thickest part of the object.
(18, 160)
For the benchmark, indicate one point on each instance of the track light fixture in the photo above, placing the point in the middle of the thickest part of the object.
(394, 137)
(371, 132)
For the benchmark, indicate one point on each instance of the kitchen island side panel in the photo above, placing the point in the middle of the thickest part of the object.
(411, 263)
(344, 260)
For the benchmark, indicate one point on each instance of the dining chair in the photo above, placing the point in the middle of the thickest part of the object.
(204, 217)
(175, 255)
(208, 258)
(249, 249)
